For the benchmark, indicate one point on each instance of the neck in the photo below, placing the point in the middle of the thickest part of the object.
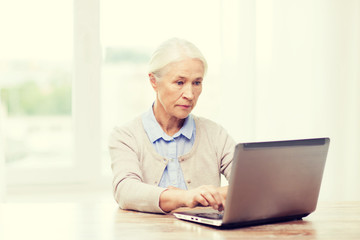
(169, 124)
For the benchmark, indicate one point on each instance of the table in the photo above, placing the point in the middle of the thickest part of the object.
(104, 221)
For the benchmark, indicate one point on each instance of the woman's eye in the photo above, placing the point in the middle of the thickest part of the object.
(197, 83)
(179, 83)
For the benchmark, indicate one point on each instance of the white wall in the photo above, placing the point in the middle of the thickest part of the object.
(293, 72)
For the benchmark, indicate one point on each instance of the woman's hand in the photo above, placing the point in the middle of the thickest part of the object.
(207, 196)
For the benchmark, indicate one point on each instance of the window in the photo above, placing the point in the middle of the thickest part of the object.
(36, 84)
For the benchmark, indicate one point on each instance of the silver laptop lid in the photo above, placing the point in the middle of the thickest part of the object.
(275, 179)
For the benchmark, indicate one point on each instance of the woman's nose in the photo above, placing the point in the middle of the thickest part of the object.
(188, 92)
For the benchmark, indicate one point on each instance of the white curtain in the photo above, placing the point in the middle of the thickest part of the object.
(291, 70)
(2, 155)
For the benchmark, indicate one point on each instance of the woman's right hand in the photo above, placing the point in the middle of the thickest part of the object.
(207, 196)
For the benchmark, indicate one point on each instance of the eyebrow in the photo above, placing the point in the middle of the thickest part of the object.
(183, 78)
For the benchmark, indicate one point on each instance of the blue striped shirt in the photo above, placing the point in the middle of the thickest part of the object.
(170, 147)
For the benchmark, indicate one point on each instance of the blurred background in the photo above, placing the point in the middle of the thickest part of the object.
(72, 70)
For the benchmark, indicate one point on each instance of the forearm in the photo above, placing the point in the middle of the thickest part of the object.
(172, 199)
(135, 195)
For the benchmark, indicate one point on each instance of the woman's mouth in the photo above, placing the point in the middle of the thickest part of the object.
(185, 106)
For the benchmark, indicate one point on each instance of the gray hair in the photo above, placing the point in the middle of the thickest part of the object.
(174, 50)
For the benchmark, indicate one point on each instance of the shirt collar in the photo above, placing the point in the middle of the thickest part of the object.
(155, 132)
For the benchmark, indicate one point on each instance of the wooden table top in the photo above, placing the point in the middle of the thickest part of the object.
(66, 221)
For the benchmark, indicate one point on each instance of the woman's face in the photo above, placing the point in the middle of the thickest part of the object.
(179, 87)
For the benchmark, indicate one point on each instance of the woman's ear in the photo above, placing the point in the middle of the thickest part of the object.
(153, 81)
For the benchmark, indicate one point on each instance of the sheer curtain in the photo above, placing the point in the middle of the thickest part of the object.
(2, 155)
(291, 70)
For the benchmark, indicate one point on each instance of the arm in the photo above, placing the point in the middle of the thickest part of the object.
(130, 189)
(206, 195)
(226, 148)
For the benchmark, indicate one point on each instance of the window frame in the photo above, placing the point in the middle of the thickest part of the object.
(86, 160)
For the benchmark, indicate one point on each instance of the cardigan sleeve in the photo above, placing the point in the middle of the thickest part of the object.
(129, 190)
(226, 150)
(222, 143)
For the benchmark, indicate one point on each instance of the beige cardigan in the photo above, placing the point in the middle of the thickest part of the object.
(137, 167)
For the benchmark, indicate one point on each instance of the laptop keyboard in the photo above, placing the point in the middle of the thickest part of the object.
(210, 215)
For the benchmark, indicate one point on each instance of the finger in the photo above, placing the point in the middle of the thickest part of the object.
(218, 198)
(215, 202)
(196, 199)
(215, 198)
(209, 199)
(223, 200)
(199, 198)
(222, 206)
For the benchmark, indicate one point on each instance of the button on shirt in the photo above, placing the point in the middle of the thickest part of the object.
(170, 147)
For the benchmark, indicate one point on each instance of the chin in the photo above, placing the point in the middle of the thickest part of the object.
(183, 116)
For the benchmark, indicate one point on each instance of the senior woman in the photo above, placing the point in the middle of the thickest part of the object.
(168, 158)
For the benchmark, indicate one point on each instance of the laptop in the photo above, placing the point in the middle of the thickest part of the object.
(270, 182)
